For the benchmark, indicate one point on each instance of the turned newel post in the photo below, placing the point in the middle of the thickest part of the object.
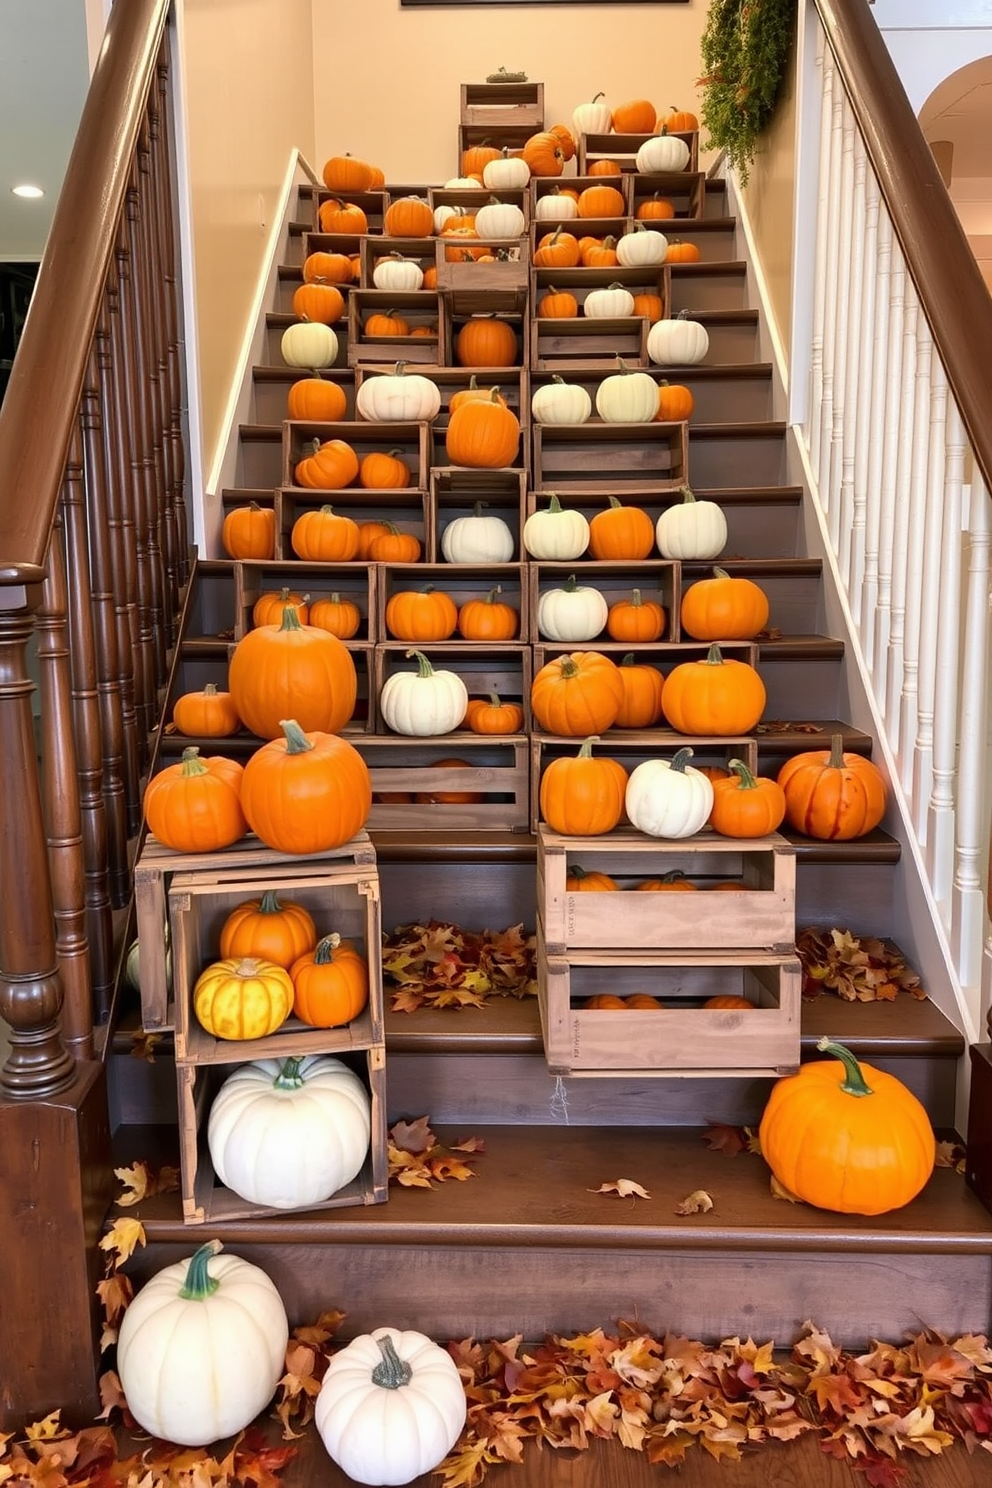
(38, 1064)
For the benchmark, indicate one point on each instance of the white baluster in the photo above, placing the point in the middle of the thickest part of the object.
(931, 598)
(832, 227)
(863, 384)
(889, 439)
(940, 830)
(846, 391)
(873, 474)
(844, 337)
(901, 578)
(815, 423)
(916, 497)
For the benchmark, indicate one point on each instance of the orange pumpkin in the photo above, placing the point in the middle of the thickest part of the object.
(565, 138)
(316, 400)
(649, 306)
(655, 208)
(249, 532)
(394, 546)
(408, 217)
(449, 797)
(746, 805)
(636, 116)
(488, 619)
(544, 154)
(195, 805)
(270, 929)
(331, 465)
(642, 1002)
(675, 402)
(680, 252)
(494, 716)
(337, 216)
(582, 796)
(207, 714)
(601, 201)
(557, 304)
(477, 157)
(621, 533)
(421, 615)
(321, 535)
(341, 617)
(557, 250)
(599, 253)
(578, 881)
(678, 121)
(672, 882)
(344, 175)
(378, 178)
(728, 1000)
(577, 695)
(486, 342)
(330, 984)
(643, 689)
(385, 472)
(714, 696)
(322, 303)
(606, 1000)
(306, 792)
(724, 608)
(277, 671)
(430, 277)
(635, 619)
(606, 168)
(832, 795)
(326, 268)
(484, 435)
(268, 608)
(474, 394)
(367, 534)
(385, 323)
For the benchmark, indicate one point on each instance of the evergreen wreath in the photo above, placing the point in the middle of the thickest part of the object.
(745, 47)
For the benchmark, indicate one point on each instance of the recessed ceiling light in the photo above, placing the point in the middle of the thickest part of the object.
(32, 191)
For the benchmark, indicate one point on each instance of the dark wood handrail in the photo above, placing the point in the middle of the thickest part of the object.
(953, 294)
(51, 360)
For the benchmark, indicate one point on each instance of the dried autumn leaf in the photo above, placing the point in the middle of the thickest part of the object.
(122, 1239)
(625, 1188)
(441, 965)
(951, 1155)
(412, 1136)
(143, 1045)
(48, 1429)
(698, 1202)
(142, 1181)
(779, 1191)
(726, 1139)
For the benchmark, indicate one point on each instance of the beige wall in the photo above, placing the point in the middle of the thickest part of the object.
(249, 102)
(770, 197)
(396, 100)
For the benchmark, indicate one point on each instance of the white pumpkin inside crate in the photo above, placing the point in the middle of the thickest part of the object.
(627, 396)
(508, 173)
(642, 247)
(309, 344)
(424, 703)
(556, 534)
(612, 303)
(661, 153)
(499, 221)
(398, 397)
(560, 402)
(574, 612)
(477, 539)
(678, 342)
(397, 273)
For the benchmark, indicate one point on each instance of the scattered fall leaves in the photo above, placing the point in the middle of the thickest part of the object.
(698, 1202)
(625, 1188)
(442, 966)
(417, 1159)
(858, 969)
(142, 1181)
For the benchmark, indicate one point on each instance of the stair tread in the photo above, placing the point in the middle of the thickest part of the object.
(742, 429)
(535, 1187)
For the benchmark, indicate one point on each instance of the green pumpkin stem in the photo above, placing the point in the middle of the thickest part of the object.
(681, 758)
(688, 494)
(392, 1372)
(635, 598)
(494, 700)
(586, 751)
(854, 1082)
(192, 763)
(494, 593)
(554, 505)
(199, 1284)
(289, 1077)
(714, 657)
(269, 903)
(291, 616)
(836, 760)
(628, 660)
(296, 740)
(424, 668)
(324, 950)
(615, 503)
(571, 584)
(480, 506)
(745, 777)
(574, 871)
(720, 573)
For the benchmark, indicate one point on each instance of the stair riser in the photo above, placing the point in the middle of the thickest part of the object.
(717, 460)
(452, 1292)
(802, 689)
(697, 292)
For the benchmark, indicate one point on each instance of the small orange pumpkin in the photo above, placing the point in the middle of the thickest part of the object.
(728, 1000)
(636, 116)
(341, 617)
(682, 252)
(337, 216)
(322, 535)
(331, 465)
(577, 694)
(380, 471)
(601, 201)
(494, 716)
(675, 403)
(621, 533)
(606, 168)
(714, 696)
(583, 796)
(486, 342)
(195, 805)
(672, 882)
(249, 532)
(544, 154)
(321, 303)
(643, 689)
(656, 208)
(269, 928)
(207, 714)
(330, 984)
(483, 435)
(268, 607)
(316, 400)
(557, 250)
(345, 174)
(636, 619)
(746, 805)
(394, 546)
(421, 615)
(557, 304)
(488, 619)
(724, 608)
(578, 881)
(326, 268)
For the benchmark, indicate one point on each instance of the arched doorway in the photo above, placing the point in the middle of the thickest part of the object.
(957, 121)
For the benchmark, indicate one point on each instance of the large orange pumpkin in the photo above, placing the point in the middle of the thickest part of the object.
(195, 806)
(421, 615)
(269, 928)
(601, 201)
(321, 303)
(345, 174)
(337, 216)
(577, 695)
(636, 116)
(327, 268)
(714, 696)
(832, 795)
(316, 400)
(306, 792)
(724, 608)
(483, 434)
(408, 217)
(582, 796)
(292, 670)
(557, 250)
(544, 154)
(322, 535)
(330, 983)
(621, 533)
(330, 466)
(486, 342)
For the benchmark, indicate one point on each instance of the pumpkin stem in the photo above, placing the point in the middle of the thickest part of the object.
(199, 1284)
(494, 700)
(269, 903)
(569, 667)
(424, 668)
(628, 660)
(554, 505)
(210, 689)
(399, 369)
(571, 584)
(687, 493)
(720, 573)
(714, 656)
(480, 506)
(576, 872)
(391, 1372)
(681, 759)
(192, 763)
(744, 775)
(635, 598)
(615, 503)
(491, 596)
(586, 751)
(296, 740)
(854, 1082)
(289, 1077)
(836, 760)
(323, 953)
(290, 617)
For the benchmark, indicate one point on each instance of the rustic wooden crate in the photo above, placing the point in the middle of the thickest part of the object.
(623, 149)
(413, 442)
(353, 581)
(491, 105)
(405, 768)
(512, 382)
(408, 510)
(419, 307)
(682, 1038)
(630, 748)
(760, 915)
(462, 581)
(568, 345)
(372, 203)
(153, 873)
(341, 897)
(503, 667)
(454, 315)
(477, 287)
(206, 1201)
(505, 136)
(645, 279)
(657, 578)
(349, 244)
(686, 190)
(470, 199)
(421, 250)
(543, 185)
(456, 490)
(618, 458)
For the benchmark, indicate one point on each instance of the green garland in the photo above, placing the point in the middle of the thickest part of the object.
(745, 48)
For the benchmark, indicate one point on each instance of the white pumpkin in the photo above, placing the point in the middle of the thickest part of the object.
(556, 535)
(627, 397)
(691, 530)
(398, 397)
(575, 612)
(608, 304)
(560, 402)
(593, 118)
(556, 206)
(643, 246)
(508, 173)
(397, 273)
(391, 1406)
(668, 798)
(499, 221)
(444, 213)
(423, 703)
(132, 963)
(289, 1133)
(462, 183)
(661, 153)
(678, 342)
(202, 1347)
(309, 344)
(477, 539)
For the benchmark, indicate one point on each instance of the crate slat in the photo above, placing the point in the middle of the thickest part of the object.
(492, 105)
(405, 768)
(587, 457)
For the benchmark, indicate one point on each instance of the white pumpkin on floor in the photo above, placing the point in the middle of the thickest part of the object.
(202, 1347)
(391, 1407)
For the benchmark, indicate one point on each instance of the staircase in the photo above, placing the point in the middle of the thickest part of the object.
(528, 1245)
